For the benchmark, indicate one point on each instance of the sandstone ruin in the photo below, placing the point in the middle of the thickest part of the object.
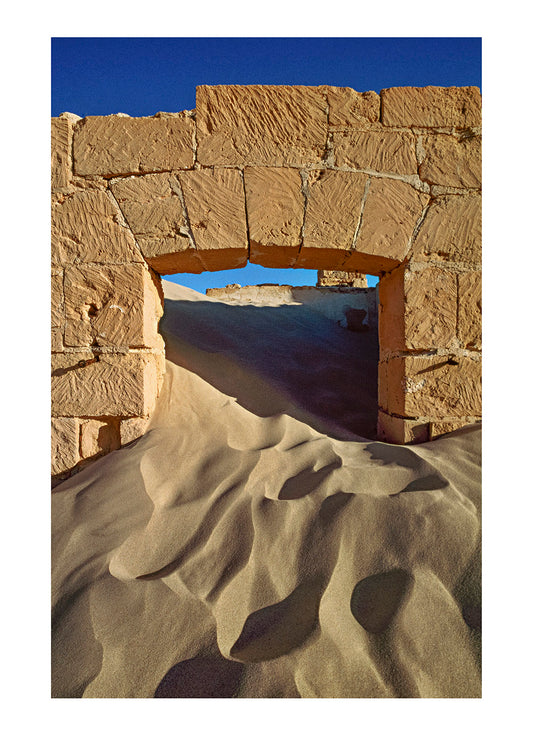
(283, 176)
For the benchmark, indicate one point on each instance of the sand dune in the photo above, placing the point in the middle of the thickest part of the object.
(256, 541)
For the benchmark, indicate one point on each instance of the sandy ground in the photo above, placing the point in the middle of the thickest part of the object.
(257, 541)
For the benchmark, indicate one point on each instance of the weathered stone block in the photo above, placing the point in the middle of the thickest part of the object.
(152, 206)
(57, 312)
(111, 305)
(132, 429)
(86, 227)
(452, 161)
(333, 209)
(432, 386)
(116, 385)
(61, 144)
(98, 436)
(469, 309)
(380, 150)
(391, 321)
(431, 106)
(275, 210)
(214, 199)
(113, 145)
(391, 212)
(430, 308)
(400, 431)
(437, 429)
(450, 231)
(350, 109)
(168, 256)
(260, 125)
(330, 278)
(65, 444)
(56, 340)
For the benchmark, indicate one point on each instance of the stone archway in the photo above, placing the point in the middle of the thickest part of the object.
(317, 177)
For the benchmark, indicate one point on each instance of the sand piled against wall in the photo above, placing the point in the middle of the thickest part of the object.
(253, 543)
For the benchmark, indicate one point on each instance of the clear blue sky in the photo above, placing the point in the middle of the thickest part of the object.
(141, 76)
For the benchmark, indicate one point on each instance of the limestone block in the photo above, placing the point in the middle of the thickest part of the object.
(431, 106)
(450, 231)
(452, 161)
(56, 340)
(350, 109)
(395, 429)
(132, 429)
(430, 308)
(61, 144)
(111, 305)
(260, 125)
(168, 256)
(98, 436)
(391, 212)
(380, 150)
(330, 278)
(115, 385)
(333, 209)
(113, 145)
(65, 444)
(57, 299)
(214, 199)
(391, 321)
(151, 206)
(86, 227)
(275, 210)
(437, 429)
(431, 386)
(469, 309)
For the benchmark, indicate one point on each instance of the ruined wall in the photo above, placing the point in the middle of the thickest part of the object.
(318, 177)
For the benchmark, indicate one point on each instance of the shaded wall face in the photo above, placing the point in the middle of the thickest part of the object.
(318, 177)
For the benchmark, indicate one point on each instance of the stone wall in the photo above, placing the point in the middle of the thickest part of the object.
(284, 176)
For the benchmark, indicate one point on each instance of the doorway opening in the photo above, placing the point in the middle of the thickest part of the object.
(306, 338)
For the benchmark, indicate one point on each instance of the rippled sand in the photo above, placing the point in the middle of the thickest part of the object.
(255, 543)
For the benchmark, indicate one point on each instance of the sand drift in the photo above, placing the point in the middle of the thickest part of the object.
(257, 541)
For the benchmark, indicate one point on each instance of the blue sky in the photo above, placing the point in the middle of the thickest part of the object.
(141, 76)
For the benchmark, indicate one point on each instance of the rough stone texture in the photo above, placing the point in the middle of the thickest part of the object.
(379, 150)
(452, 161)
(111, 305)
(450, 231)
(431, 106)
(350, 109)
(98, 436)
(215, 204)
(115, 385)
(65, 444)
(260, 125)
(469, 310)
(333, 209)
(152, 206)
(165, 256)
(418, 310)
(119, 145)
(402, 431)
(338, 277)
(61, 147)
(437, 429)
(320, 177)
(391, 212)
(132, 429)
(430, 386)
(275, 209)
(86, 227)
